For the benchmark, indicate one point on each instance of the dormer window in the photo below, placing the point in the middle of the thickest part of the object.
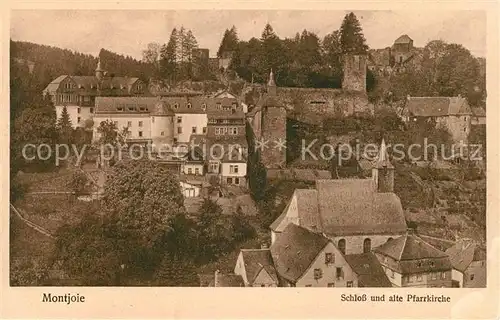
(218, 106)
(111, 86)
(131, 108)
(80, 86)
(189, 105)
(142, 109)
(122, 87)
(176, 105)
(204, 106)
(235, 105)
(119, 108)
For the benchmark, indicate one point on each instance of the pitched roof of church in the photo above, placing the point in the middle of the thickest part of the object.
(307, 209)
(437, 106)
(294, 251)
(257, 259)
(352, 206)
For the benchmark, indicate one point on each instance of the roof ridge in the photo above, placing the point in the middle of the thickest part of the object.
(404, 245)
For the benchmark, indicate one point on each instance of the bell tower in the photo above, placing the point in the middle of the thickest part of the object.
(383, 171)
(99, 71)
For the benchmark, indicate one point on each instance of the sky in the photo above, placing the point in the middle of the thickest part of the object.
(129, 31)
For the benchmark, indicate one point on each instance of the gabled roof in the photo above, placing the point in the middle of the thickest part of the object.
(255, 260)
(464, 252)
(414, 255)
(294, 251)
(409, 247)
(307, 208)
(352, 206)
(437, 106)
(368, 269)
(403, 39)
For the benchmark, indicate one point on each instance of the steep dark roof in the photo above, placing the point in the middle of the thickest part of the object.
(162, 109)
(464, 252)
(307, 208)
(294, 251)
(352, 206)
(257, 259)
(437, 106)
(120, 86)
(414, 255)
(368, 269)
(127, 104)
(403, 39)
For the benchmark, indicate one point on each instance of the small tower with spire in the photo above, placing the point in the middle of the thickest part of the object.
(271, 85)
(99, 71)
(383, 171)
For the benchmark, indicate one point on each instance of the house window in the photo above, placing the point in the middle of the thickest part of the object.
(129, 124)
(419, 278)
(434, 276)
(204, 130)
(229, 180)
(367, 245)
(91, 110)
(329, 258)
(163, 133)
(179, 119)
(392, 273)
(331, 285)
(443, 275)
(349, 284)
(318, 274)
(214, 167)
(341, 245)
(179, 130)
(190, 171)
(204, 106)
(193, 130)
(153, 119)
(140, 123)
(176, 105)
(79, 110)
(79, 119)
(218, 106)
(233, 169)
(237, 181)
(471, 277)
(339, 274)
(140, 133)
(196, 170)
(189, 105)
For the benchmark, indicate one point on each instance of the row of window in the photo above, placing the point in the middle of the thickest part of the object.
(196, 171)
(70, 85)
(233, 168)
(233, 180)
(350, 284)
(72, 98)
(79, 110)
(225, 130)
(194, 130)
(419, 277)
(339, 273)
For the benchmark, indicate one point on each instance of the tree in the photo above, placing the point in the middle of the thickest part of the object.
(108, 133)
(176, 273)
(241, 229)
(168, 57)
(78, 183)
(152, 53)
(64, 127)
(352, 39)
(229, 42)
(140, 197)
(85, 252)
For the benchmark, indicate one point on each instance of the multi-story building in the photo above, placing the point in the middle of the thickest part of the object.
(409, 261)
(469, 264)
(78, 93)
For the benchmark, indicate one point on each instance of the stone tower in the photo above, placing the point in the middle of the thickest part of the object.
(162, 126)
(99, 71)
(383, 171)
(354, 73)
(273, 129)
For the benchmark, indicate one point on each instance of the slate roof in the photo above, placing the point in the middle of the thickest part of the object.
(257, 259)
(414, 255)
(112, 104)
(403, 39)
(294, 251)
(437, 106)
(91, 85)
(162, 109)
(369, 270)
(464, 252)
(352, 206)
(307, 207)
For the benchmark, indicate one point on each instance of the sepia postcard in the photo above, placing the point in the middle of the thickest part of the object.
(250, 160)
